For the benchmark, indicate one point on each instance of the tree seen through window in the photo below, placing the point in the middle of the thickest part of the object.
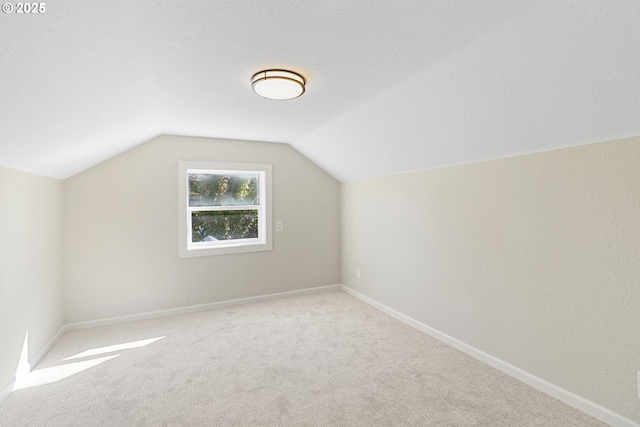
(227, 206)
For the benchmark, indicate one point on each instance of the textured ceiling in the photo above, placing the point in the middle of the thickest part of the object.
(393, 86)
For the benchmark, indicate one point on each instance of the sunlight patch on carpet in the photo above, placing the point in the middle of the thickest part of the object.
(56, 373)
(113, 348)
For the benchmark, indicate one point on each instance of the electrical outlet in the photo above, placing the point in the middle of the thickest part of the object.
(358, 276)
(279, 226)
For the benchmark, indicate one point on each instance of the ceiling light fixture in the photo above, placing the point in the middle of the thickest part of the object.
(278, 84)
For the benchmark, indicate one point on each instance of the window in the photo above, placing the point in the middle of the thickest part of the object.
(224, 208)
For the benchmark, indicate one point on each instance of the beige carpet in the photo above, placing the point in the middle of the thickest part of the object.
(319, 360)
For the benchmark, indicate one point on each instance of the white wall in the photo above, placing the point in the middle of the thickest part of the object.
(31, 292)
(121, 224)
(533, 259)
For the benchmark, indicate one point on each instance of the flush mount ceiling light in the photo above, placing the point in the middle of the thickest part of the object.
(278, 84)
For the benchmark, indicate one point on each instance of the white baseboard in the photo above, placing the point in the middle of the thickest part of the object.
(572, 399)
(7, 390)
(195, 308)
(44, 350)
(559, 393)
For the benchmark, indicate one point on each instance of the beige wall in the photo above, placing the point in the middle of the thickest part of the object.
(31, 294)
(121, 224)
(533, 259)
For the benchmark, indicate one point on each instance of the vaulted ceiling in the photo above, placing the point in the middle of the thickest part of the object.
(393, 86)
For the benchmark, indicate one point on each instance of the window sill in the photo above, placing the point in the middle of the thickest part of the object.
(224, 250)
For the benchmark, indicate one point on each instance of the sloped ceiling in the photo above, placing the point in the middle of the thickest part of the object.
(393, 86)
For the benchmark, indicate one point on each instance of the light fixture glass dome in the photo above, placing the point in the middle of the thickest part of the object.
(278, 84)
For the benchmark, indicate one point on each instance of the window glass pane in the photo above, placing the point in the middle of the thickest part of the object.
(224, 225)
(223, 189)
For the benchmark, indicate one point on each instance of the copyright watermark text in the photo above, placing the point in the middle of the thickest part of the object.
(29, 8)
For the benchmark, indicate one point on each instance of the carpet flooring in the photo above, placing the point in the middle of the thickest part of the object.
(325, 359)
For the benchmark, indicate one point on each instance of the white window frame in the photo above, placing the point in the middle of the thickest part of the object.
(263, 242)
